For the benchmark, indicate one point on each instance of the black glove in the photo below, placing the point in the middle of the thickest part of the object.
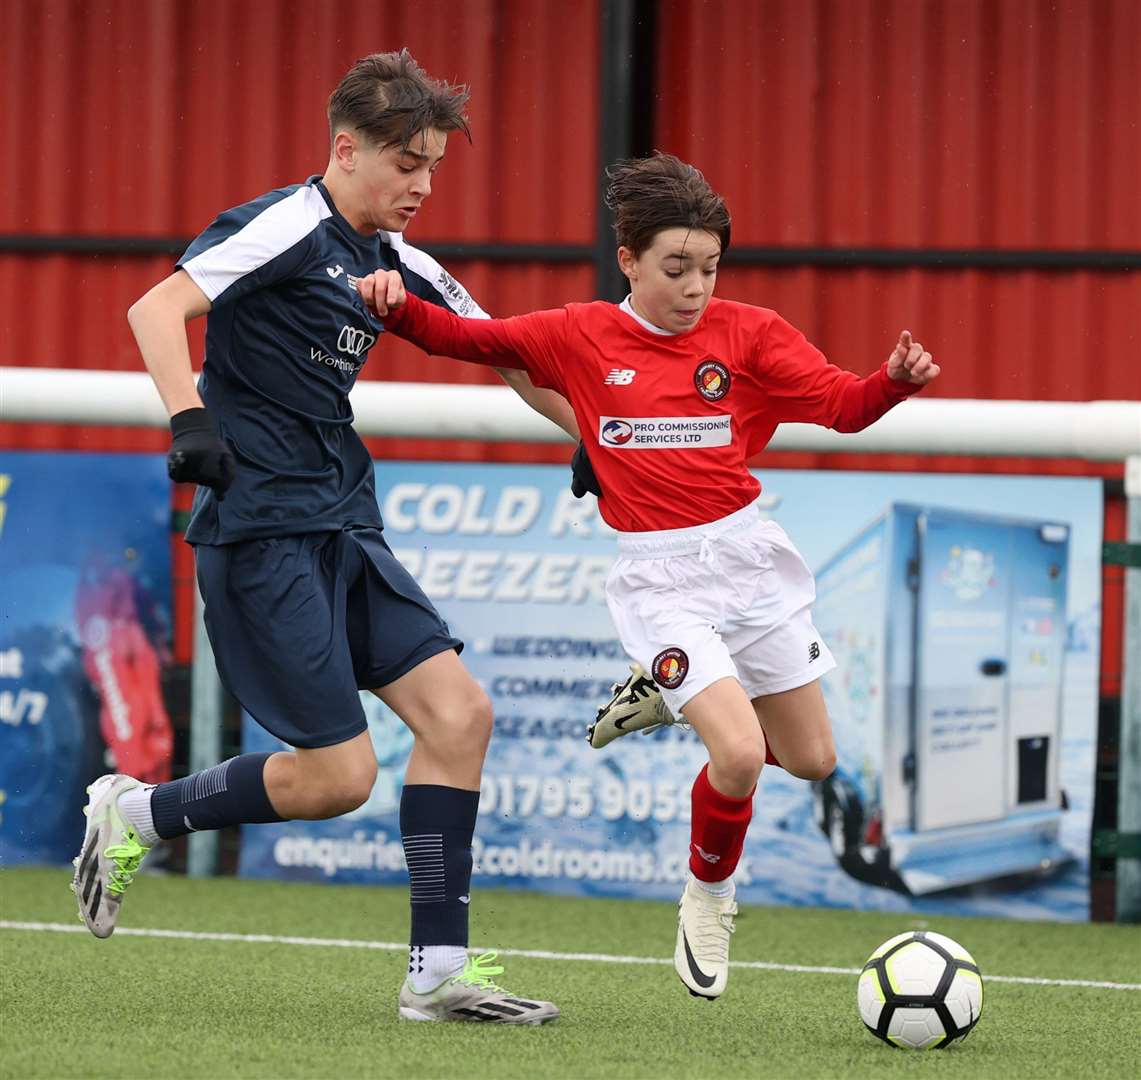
(582, 474)
(197, 455)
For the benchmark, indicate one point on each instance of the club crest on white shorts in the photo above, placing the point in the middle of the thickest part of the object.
(671, 666)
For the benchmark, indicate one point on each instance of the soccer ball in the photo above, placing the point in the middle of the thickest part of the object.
(920, 991)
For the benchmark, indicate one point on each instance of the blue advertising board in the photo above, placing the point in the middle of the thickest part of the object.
(517, 566)
(84, 632)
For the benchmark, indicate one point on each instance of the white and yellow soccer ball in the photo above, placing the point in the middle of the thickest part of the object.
(920, 991)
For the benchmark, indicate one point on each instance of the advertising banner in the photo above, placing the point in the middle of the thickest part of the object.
(84, 633)
(964, 612)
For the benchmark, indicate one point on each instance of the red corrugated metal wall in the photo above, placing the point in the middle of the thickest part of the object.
(868, 122)
(1018, 335)
(943, 124)
(148, 119)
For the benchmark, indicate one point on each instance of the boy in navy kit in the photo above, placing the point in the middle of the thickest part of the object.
(304, 602)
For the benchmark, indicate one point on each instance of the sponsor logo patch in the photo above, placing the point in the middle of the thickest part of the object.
(814, 651)
(352, 341)
(712, 379)
(457, 295)
(616, 433)
(320, 357)
(664, 432)
(671, 666)
(620, 377)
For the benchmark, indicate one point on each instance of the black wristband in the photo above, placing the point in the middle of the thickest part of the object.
(190, 420)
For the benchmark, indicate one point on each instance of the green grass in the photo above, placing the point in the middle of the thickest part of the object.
(71, 1006)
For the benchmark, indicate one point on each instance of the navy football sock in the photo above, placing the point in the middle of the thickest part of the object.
(436, 826)
(232, 793)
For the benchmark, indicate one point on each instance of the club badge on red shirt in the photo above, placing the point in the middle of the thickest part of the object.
(711, 379)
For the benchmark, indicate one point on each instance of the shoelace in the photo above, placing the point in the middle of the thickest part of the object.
(126, 857)
(639, 690)
(707, 553)
(710, 924)
(642, 688)
(478, 972)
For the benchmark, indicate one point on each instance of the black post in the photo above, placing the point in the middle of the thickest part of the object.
(625, 115)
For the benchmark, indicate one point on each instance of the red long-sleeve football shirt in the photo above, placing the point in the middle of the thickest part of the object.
(669, 422)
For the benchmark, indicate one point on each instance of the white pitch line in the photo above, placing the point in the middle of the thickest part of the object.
(530, 954)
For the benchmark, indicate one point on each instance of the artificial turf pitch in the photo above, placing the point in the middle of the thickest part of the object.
(72, 1006)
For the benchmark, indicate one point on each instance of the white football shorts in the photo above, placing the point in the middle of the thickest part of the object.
(729, 599)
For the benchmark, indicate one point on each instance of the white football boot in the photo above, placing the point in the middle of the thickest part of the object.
(474, 996)
(110, 856)
(636, 705)
(704, 927)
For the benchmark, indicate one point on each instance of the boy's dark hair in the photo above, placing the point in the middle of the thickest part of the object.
(660, 192)
(389, 99)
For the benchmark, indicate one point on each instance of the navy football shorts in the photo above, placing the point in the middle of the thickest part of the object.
(300, 623)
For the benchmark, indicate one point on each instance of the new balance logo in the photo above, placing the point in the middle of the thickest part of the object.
(334, 272)
(620, 377)
(705, 854)
(814, 651)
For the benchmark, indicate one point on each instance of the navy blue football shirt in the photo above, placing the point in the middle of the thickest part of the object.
(285, 339)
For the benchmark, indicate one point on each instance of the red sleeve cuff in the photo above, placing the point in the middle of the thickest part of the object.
(897, 389)
(395, 318)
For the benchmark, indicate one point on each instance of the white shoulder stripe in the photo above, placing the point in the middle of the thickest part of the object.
(420, 262)
(275, 230)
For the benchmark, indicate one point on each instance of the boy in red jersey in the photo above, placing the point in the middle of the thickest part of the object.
(674, 391)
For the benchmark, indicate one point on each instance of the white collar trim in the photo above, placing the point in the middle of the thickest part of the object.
(627, 307)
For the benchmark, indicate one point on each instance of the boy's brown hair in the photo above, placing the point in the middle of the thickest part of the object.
(389, 99)
(660, 192)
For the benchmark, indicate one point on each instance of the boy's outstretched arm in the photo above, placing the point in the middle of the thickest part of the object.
(384, 294)
(906, 371)
(435, 330)
(805, 388)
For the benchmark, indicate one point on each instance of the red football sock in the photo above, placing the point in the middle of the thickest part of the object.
(717, 831)
(770, 757)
